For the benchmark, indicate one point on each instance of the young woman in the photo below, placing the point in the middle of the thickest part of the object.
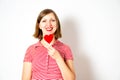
(49, 58)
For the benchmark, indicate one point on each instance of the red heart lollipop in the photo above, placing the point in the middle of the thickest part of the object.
(48, 38)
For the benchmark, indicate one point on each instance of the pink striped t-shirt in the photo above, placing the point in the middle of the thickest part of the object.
(43, 66)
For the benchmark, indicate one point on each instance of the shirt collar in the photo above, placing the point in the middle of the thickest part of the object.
(38, 44)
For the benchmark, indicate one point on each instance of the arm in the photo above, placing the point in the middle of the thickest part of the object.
(66, 68)
(26, 73)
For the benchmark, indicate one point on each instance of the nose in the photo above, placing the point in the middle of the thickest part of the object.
(49, 23)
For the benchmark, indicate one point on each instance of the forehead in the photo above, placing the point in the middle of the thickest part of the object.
(50, 15)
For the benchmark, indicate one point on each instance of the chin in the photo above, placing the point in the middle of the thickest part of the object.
(49, 33)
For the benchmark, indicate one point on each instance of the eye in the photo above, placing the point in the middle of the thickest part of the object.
(53, 20)
(43, 20)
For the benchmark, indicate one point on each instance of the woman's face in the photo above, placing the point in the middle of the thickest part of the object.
(48, 24)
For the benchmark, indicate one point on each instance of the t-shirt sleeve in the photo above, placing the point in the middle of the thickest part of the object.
(68, 53)
(28, 55)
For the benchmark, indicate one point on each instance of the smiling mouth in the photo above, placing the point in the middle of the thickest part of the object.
(49, 29)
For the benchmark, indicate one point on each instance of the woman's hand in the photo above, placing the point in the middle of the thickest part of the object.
(52, 51)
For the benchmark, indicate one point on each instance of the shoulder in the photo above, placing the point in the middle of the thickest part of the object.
(32, 46)
(67, 51)
(30, 52)
(64, 45)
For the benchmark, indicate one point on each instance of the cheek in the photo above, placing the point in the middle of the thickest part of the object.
(41, 26)
(55, 27)
(53, 23)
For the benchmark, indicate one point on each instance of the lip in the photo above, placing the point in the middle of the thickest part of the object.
(49, 29)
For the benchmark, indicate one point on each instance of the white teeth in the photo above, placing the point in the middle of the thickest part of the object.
(48, 29)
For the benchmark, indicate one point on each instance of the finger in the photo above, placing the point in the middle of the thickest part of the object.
(47, 45)
(50, 53)
(50, 48)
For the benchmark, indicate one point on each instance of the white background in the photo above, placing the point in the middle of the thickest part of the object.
(90, 27)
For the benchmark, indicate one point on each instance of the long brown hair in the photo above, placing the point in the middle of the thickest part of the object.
(38, 32)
